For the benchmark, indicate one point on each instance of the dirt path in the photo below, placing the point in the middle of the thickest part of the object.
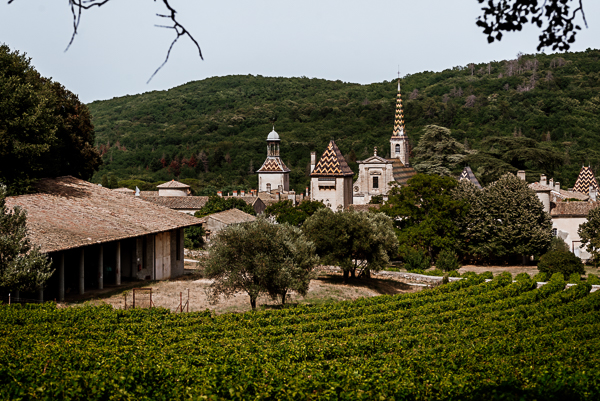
(327, 287)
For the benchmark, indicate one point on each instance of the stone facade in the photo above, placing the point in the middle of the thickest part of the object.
(273, 174)
(331, 179)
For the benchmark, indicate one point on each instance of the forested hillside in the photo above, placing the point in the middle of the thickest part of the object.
(213, 131)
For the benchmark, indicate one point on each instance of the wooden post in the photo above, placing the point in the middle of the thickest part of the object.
(61, 277)
(101, 268)
(81, 272)
(118, 264)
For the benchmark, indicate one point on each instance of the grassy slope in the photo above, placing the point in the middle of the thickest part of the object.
(228, 118)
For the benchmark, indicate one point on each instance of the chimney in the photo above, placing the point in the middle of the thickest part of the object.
(557, 186)
(543, 180)
(593, 194)
(313, 161)
(235, 193)
(243, 193)
(220, 193)
(551, 183)
(521, 174)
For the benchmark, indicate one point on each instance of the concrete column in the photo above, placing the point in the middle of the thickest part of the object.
(118, 264)
(101, 268)
(81, 272)
(61, 277)
(41, 294)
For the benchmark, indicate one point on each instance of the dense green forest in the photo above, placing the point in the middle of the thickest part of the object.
(211, 133)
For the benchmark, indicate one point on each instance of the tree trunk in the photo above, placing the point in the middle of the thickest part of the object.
(353, 273)
(283, 298)
(367, 273)
(345, 276)
(253, 302)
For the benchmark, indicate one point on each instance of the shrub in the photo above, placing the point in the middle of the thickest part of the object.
(416, 260)
(560, 262)
(447, 261)
(558, 244)
(194, 237)
(434, 272)
(487, 275)
(593, 279)
(467, 275)
(575, 278)
(454, 273)
(522, 277)
(541, 277)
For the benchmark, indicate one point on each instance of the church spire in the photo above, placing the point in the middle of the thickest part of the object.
(399, 120)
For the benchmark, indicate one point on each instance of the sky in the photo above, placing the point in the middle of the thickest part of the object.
(118, 46)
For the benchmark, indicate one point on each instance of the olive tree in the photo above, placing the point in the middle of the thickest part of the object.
(355, 241)
(259, 258)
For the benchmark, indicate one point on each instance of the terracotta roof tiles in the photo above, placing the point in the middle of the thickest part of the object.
(332, 163)
(70, 213)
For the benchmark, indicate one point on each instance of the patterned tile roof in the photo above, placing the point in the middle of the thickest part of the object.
(69, 213)
(573, 209)
(273, 165)
(173, 184)
(332, 163)
(467, 175)
(402, 173)
(178, 202)
(585, 180)
(399, 129)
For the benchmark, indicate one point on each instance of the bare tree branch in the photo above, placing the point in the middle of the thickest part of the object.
(77, 6)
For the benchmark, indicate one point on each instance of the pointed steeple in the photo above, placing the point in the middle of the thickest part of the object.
(585, 181)
(399, 129)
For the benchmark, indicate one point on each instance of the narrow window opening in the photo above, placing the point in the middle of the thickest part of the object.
(397, 148)
(375, 182)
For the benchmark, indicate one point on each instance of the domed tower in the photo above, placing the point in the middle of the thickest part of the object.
(273, 174)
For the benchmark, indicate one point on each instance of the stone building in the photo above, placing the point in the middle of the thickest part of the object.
(377, 175)
(97, 237)
(273, 174)
(568, 208)
(331, 179)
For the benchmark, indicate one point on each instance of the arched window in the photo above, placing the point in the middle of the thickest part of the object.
(397, 148)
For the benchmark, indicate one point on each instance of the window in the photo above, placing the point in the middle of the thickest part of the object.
(397, 148)
(555, 232)
(375, 182)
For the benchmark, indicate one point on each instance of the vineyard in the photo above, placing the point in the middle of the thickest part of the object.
(467, 340)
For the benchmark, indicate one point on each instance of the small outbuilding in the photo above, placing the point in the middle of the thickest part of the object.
(97, 237)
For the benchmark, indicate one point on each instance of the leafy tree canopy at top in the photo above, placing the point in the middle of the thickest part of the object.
(44, 130)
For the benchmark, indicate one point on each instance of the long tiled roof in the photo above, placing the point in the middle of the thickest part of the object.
(402, 173)
(585, 181)
(573, 209)
(69, 213)
(173, 184)
(332, 163)
(179, 202)
(273, 165)
(231, 216)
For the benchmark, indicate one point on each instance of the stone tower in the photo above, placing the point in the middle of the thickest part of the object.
(273, 174)
(399, 146)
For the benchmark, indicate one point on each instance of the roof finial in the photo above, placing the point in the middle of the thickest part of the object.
(375, 151)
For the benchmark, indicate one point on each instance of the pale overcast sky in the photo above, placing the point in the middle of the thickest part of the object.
(118, 47)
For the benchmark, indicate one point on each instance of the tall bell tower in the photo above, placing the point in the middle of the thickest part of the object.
(399, 146)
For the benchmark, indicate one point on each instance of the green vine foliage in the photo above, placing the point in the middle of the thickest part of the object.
(466, 340)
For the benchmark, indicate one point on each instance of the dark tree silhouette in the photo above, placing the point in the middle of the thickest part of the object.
(78, 6)
(555, 17)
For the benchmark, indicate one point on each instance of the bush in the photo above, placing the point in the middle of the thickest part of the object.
(447, 261)
(560, 262)
(454, 273)
(194, 237)
(574, 278)
(434, 272)
(467, 275)
(416, 260)
(487, 275)
(558, 244)
(522, 277)
(593, 279)
(541, 277)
